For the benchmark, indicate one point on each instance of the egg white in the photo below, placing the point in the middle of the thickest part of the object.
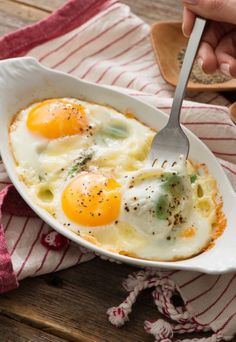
(46, 166)
(144, 188)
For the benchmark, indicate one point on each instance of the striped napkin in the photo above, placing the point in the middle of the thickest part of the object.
(103, 42)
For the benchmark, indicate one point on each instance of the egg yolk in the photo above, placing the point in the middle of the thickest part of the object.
(57, 118)
(92, 199)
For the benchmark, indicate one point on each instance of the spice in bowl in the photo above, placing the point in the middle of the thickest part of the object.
(199, 76)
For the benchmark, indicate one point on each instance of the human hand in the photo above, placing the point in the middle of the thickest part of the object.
(218, 47)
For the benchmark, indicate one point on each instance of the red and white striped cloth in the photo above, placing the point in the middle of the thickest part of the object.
(103, 42)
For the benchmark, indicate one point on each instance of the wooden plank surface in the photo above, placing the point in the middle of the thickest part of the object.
(156, 10)
(17, 13)
(13, 331)
(14, 15)
(45, 5)
(72, 304)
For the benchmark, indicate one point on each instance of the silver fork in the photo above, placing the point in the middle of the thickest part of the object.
(171, 142)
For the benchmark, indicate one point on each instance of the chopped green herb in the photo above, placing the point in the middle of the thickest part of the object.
(162, 207)
(173, 183)
(79, 163)
(193, 178)
(116, 131)
(41, 178)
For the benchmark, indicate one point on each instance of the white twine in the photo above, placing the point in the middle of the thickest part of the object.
(164, 289)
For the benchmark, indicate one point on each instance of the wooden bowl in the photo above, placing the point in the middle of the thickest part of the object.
(168, 43)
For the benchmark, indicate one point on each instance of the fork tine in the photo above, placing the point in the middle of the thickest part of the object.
(161, 162)
(166, 162)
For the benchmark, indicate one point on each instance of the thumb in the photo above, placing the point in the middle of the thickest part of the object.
(219, 10)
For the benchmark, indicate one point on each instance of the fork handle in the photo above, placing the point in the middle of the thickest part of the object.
(185, 71)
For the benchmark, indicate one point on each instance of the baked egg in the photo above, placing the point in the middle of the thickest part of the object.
(86, 165)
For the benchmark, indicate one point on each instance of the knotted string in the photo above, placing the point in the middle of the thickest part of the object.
(164, 289)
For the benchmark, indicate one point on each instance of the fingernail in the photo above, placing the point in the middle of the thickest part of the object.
(190, 2)
(184, 31)
(200, 62)
(224, 68)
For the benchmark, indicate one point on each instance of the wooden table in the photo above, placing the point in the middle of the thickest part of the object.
(71, 305)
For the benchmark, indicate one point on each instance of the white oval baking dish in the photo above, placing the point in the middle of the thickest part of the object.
(24, 81)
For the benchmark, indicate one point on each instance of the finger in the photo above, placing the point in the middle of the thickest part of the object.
(188, 22)
(207, 58)
(214, 32)
(226, 54)
(219, 10)
(206, 54)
